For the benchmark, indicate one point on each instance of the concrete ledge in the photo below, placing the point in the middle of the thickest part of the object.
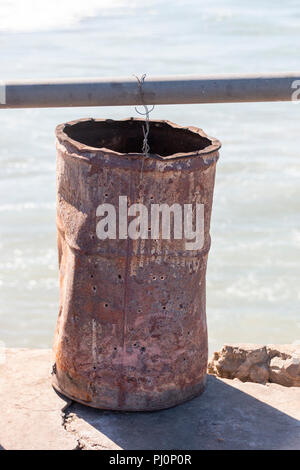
(229, 415)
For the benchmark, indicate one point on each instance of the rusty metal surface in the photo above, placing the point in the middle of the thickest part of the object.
(131, 332)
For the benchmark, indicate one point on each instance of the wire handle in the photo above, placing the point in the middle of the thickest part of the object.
(146, 127)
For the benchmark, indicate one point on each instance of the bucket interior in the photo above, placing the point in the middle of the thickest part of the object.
(127, 137)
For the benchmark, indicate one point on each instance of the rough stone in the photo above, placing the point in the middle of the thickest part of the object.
(31, 414)
(256, 363)
(229, 415)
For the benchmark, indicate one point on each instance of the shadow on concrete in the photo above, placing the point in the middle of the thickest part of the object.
(222, 418)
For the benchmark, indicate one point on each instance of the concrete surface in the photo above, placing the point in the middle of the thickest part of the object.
(229, 415)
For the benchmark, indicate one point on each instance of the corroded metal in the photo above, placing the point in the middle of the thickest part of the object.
(131, 332)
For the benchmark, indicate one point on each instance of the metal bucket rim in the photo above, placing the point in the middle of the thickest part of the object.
(80, 147)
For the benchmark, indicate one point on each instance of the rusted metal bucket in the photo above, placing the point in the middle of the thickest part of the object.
(131, 332)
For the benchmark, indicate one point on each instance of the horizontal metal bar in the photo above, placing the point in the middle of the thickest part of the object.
(156, 90)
